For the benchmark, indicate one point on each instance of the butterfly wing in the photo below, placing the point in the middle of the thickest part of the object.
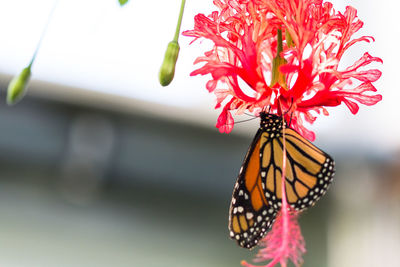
(250, 215)
(309, 170)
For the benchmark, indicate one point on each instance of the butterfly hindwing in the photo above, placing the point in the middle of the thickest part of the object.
(309, 171)
(313, 171)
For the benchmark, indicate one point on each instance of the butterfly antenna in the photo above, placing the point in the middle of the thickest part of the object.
(247, 120)
(291, 105)
(290, 120)
(241, 121)
(251, 115)
(288, 110)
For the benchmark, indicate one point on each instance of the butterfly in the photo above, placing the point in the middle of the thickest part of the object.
(257, 193)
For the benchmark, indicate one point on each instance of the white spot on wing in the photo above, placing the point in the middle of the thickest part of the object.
(249, 215)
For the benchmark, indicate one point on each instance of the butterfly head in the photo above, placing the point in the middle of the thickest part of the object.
(270, 121)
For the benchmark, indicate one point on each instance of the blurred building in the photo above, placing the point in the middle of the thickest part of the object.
(87, 186)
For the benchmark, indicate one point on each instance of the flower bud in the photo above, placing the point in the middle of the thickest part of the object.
(17, 87)
(167, 70)
(123, 2)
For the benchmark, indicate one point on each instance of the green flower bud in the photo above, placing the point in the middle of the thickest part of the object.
(17, 87)
(123, 2)
(167, 70)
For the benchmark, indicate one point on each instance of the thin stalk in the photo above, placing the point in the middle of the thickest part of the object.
(43, 32)
(178, 26)
(285, 211)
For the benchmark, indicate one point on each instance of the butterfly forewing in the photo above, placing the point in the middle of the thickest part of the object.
(250, 215)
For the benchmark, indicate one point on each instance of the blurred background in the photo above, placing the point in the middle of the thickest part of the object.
(101, 166)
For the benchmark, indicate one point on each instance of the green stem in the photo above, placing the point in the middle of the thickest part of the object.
(178, 26)
(43, 33)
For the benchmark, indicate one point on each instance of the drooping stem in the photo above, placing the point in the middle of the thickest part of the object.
(178, 26)
(43, 32)
(285, 210)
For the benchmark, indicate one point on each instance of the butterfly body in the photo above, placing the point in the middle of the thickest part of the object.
(257, 195)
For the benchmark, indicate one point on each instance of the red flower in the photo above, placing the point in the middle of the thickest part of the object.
(283, 56)
(288, 53)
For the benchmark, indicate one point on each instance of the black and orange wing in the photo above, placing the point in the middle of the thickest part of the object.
(309, 170)
(250, 215)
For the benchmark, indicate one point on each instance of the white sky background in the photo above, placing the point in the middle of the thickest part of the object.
(97, 45)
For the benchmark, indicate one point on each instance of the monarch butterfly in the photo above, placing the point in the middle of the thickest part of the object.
(257, 194)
